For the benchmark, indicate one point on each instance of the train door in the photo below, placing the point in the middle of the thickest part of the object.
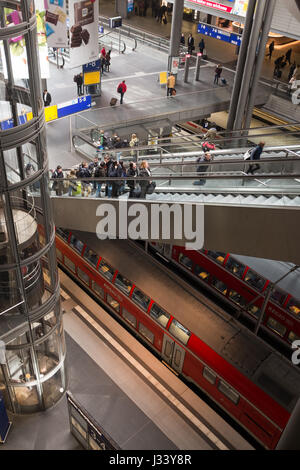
(173, 354)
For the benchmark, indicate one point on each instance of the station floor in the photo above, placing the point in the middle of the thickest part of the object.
(217, 50)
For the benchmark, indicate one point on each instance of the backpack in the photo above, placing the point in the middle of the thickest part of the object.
(75, 78)
(119, 89)
(207, 147)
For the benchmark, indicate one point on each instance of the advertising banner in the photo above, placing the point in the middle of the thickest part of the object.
(240, 7)
(18, 47)
(214, 5)
(175, 65)
(83, 16)
(56, 23)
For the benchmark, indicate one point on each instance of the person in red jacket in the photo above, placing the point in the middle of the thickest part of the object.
(122, 88)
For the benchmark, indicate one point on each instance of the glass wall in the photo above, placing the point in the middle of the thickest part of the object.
(33, 377)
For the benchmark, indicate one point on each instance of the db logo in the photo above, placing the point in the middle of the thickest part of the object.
(296, 94)
(296, 354)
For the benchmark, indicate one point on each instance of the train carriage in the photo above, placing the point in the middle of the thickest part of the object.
(243, 375)
(242, 282)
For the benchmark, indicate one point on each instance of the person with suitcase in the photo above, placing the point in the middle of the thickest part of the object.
(218, 73)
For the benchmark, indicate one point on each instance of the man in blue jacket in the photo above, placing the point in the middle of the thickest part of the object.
(255, 155)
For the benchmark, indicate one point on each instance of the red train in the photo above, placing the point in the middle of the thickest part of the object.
(231, 278)
(248, 379)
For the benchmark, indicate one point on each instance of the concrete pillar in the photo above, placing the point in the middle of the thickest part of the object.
(259, 60)
(175, 31)
(121, 8)
(250, 63)
(290, 437)
(241, 64)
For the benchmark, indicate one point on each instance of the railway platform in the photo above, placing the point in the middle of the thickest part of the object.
(140, 403)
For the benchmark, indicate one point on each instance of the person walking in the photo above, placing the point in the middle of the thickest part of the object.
(201, 46)
(46, 98)
(190, 44)
(170, 84)
(78, 79)
(271, 49)
(218, 73)
(255, 155)
(72, 183)
(122, 88)
(288, 56)
(203, 168)
(182, 39)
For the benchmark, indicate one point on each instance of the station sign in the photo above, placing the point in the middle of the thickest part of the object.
(221, 34)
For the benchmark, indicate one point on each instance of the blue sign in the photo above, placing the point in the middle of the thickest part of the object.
(74, 106)
(91, 66)
(9, 123)
(220, 34)
(4, 423)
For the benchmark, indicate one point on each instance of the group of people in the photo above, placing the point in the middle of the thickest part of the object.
(191, 43)
(104, 60)
(81, 181)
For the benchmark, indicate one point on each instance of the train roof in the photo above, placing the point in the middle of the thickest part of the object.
(274, 270)
(246, 352)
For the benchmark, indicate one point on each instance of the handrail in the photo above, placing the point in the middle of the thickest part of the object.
(183, 154)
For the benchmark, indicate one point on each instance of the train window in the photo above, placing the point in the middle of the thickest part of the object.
(235, 267)
(91, 256)
(218, 256)
(294, 306)
(123, 284)
(63, 233)
(146, 333)
(200, 272)
(113, 303)
(278, 296)
(76, 244)
(98, 289)
(185, 260)
(219, 285)
(179, 331)
(159, 315)
(276, 326)
(255, 280)
(83, 276)
(237, 298)
(129, 317)
(228, 392)
(209, 375)
(141, 299)
(69, 264)
(293, 337)
(59, 254)
(106, 270)
(254, 310)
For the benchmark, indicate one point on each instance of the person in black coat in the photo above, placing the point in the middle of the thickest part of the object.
(144, 172)
(190, 43)
(58, 185)
(132, 171)
(46, 98)
(201, 46)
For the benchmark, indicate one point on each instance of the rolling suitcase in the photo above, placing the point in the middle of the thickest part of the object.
(113, 102)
